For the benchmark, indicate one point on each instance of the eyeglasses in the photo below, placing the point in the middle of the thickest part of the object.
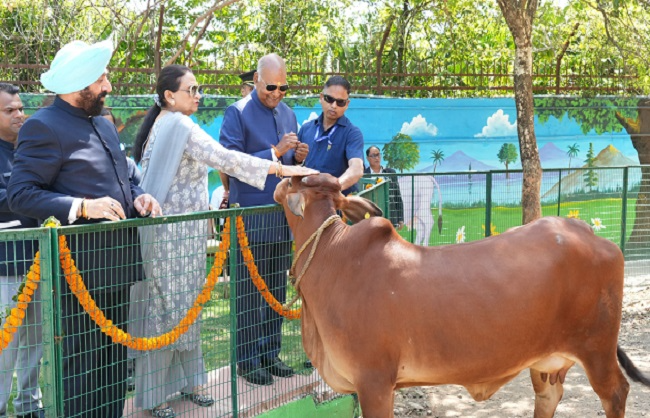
(339, 102)
(193, 90)
(274, 87)
(374, 155)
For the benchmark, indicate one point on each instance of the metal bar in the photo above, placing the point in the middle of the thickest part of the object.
(559, 192)
(58, 326)
(488, 203)
(232, 267)
(624, 208)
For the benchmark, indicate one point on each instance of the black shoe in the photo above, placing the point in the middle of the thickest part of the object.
(130, 384)
(34, 414)
(277, 368)
(199, 399)
(308, 364)
(256, 376)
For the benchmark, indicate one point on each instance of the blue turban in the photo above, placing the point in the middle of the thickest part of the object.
(76, 66)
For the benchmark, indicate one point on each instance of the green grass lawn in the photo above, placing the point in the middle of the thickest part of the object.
(503, 218)
(215, 333)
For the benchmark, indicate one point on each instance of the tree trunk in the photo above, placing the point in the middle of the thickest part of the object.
(531, 165)
(638, 245)
(519, 17)
(558, 59)
(380, 53)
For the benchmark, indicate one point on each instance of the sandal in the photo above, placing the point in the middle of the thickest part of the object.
(166, 412)
(199, 399)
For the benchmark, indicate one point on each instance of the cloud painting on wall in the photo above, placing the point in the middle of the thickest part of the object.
(419, 127)
(498, 125)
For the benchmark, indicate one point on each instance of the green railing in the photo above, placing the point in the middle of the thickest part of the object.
(184, 247)
(437, 209)
(444, 208)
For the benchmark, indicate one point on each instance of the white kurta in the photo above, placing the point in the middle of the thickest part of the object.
(177, 269)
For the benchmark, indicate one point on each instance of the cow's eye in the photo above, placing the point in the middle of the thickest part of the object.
(290, 184)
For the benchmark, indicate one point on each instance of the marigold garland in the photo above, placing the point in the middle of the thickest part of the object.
(78, 288)
(24, 296)
(257, 279)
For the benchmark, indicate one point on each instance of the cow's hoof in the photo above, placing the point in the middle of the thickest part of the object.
(277, 368)
(256, 376)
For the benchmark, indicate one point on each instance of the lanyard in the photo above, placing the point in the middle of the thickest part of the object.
(328, 136)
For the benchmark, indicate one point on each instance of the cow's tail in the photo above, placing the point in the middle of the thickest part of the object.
(629, 367)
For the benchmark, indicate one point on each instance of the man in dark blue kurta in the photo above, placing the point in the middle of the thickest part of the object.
(261, 125)
(335, 144)
(69, 165)
(24, 352)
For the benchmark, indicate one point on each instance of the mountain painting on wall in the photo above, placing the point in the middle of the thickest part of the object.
(574, 183)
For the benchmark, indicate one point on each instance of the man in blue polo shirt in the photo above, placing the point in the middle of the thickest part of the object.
(335, 144)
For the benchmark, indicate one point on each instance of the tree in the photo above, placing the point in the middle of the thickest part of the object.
(401, 152)
(572, 152)
(519, 16)
(437, 156)
(507, 155)
(590, 176)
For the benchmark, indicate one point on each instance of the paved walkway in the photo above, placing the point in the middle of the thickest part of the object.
(252, 399)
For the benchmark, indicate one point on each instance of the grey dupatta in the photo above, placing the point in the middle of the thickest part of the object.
(172, 134)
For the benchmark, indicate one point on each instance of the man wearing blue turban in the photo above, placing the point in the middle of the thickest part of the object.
(69, 165)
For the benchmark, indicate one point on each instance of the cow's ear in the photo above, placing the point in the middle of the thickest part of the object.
(296, 204)
(357, 208)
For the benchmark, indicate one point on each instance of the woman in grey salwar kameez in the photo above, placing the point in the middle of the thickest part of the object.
(175, 154)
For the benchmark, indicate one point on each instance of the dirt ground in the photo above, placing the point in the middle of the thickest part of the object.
(516, 399)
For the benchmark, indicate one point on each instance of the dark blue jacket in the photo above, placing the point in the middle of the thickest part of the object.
(63, 153)
(250, 127)
(15, 256)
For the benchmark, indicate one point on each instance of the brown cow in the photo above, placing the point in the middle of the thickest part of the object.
(380, 313)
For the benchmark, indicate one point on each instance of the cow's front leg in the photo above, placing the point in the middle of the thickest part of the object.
(376, 398)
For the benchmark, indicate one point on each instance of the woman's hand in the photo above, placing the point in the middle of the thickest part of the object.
(296, 170)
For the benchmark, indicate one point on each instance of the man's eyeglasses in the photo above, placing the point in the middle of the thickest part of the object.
(339, 102)
(274, 87)
(193, 90)
(374, 155)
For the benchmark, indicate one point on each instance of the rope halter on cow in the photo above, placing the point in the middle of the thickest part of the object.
(315, 237)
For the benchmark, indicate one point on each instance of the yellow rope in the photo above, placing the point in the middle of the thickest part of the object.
(315, 236)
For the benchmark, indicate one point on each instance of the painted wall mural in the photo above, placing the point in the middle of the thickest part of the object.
(451, 134)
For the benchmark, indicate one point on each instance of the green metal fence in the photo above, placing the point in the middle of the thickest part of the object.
(440, 208)
(178, 252)
(445, 208)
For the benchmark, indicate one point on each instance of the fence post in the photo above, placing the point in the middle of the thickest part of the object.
(559, 191)
(488, 203)
(232, 271)
(412, 208)
(624, 209)
(58, 326)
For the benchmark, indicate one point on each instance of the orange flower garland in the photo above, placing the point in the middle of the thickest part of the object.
(17, 315)
(76, 284)
(78, 288)
(257, 279)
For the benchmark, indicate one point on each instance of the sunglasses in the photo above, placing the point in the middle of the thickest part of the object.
(339, 102)
(193, 90)
(374, 155)
(274, 87)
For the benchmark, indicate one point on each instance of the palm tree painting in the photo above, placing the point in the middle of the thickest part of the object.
(572, 152)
